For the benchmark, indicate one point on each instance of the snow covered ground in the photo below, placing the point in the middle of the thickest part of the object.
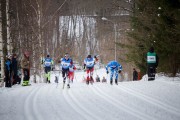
(130, 100)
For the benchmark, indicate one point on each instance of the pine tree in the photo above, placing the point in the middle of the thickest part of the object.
(155, 23)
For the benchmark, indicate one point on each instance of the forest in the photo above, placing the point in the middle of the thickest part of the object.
(113, 29)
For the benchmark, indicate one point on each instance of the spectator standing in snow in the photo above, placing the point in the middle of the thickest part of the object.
(25, 66)
(104, 79)
(97, 79)
(152, 63)
(15, 69)
(135, 74)
(8, 70)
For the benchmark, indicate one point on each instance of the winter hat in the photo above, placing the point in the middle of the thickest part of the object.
(26, 53)
(151, 49)
(89, 56)
(66, 55)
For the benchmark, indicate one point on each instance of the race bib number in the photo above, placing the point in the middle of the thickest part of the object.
(151, 59)
(65, 64)
(90, 63)
(47, 63)
(71, 69)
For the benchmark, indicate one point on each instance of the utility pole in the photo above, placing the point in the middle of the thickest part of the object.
(115, 35)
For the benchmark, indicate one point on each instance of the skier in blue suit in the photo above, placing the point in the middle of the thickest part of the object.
(115, 68)
(66, 62)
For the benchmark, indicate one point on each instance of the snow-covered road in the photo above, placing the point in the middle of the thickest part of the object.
(138, 100)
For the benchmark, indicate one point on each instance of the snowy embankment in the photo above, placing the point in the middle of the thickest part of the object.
(130, 100)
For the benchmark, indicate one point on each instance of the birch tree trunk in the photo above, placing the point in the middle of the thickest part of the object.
(4, 32)
(1, 51)
(9, 43)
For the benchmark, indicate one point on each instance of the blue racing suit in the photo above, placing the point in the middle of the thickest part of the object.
(115, 67)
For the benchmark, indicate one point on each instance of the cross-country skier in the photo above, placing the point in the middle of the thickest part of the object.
(48, 62)
(72, 68)
(152, 63)
(89, 63)
(65, 63)
(115, 68)
(25, 65)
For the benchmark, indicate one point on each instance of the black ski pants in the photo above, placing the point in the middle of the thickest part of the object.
(8, 82)
(65, 73)
(26, 74)
(151, 73)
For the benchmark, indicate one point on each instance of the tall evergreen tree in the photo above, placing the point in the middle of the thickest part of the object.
(156, 23)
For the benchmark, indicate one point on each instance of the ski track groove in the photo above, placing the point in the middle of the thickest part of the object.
(28, 108)
(150, 100)
(112, 115)
(73, 105)
(35, 104)
(87, 114)
(126, 108)
(78, 95)
(49, 95)
(111, 101)
(123, 92)
(102, 108)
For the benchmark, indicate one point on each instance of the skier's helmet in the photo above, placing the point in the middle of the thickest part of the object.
(66, 55)
(48, 56)
(89, 56)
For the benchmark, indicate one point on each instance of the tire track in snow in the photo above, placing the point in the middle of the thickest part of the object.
(123, 107)
(150, 100)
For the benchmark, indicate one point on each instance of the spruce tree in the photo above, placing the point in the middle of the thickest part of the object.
(156, 23)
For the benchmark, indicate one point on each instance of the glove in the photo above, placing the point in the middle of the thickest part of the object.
(107, 72)
(119, 71)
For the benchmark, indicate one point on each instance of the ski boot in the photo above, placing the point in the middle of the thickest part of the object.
(91, 81)
(64, 81)
(87, 82)
(68, 86)
(49, 81)
(116, 82)
(111, 82)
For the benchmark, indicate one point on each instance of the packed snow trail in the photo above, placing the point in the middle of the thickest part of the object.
(130, 100)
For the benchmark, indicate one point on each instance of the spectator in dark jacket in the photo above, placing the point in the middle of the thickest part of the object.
(104, 79)
(8, 69)
(152, 63)
(97, 79)
(135, 74)
(14, 69)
